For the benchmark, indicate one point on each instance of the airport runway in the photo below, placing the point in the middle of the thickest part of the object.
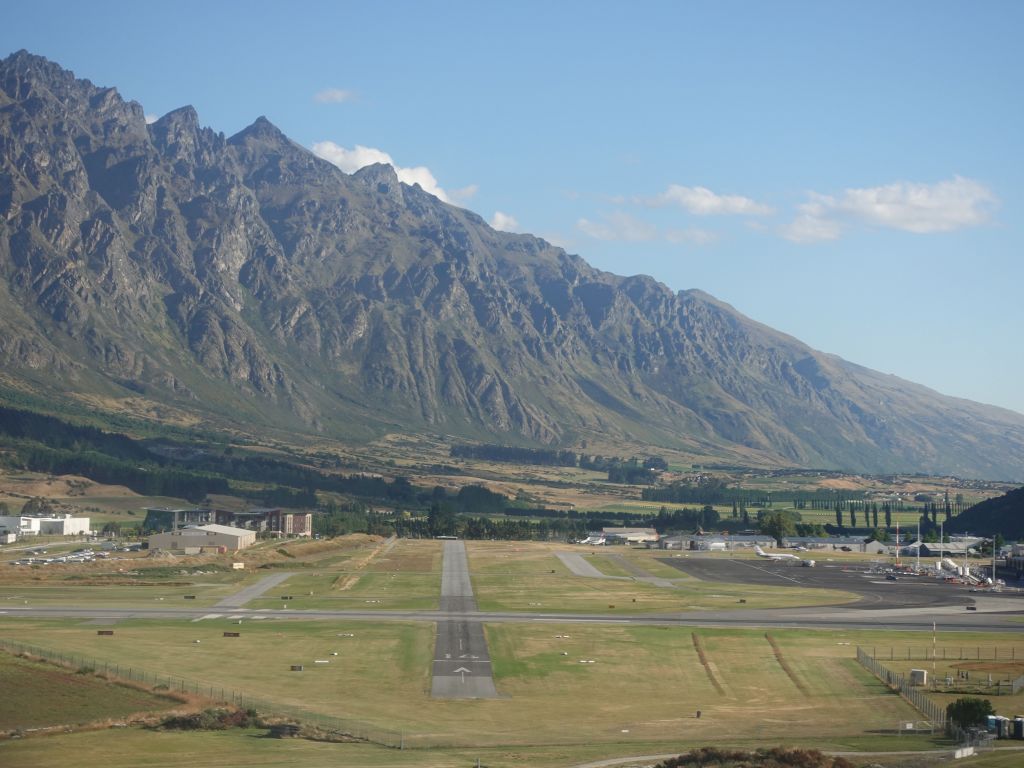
(911, 603)
(462, 665)
(992, 615)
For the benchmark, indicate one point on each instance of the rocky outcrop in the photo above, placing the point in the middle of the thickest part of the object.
(245, 279)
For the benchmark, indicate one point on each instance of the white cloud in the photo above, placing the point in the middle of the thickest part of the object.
(701, 201)
(922, 208)
(908, 206)
(332, 96)
(421, 175)
(504, 222)
(618, 226)
(811, 225)
(464, 195)
(351, 160)
(692, 236)
(150, 119)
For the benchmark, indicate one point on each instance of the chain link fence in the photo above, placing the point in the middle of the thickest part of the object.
(982, 682)
(935, 713)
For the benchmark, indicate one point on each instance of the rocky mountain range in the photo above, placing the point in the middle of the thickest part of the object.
(246, 282)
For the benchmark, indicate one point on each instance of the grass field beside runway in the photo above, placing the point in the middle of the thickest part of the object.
(639, 683)
(207, 589)
(407, 576)
(350, 575)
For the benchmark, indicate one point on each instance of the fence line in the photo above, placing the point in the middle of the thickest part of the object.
(897, 681)
(959, 653)
(219, 693)
(1004, 687)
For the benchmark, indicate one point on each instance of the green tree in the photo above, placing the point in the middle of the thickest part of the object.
(441, 520)
(879, 535)
(777, 524)
(969, 710)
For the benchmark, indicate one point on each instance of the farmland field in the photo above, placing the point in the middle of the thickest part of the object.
(59, 697)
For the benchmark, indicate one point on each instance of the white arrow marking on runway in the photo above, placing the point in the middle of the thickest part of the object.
(462, 671)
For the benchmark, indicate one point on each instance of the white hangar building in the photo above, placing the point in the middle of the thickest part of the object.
(199, 537)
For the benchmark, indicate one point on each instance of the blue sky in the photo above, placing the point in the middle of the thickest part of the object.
(849, 173)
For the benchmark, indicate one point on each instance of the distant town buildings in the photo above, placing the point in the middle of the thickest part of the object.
(272, 521)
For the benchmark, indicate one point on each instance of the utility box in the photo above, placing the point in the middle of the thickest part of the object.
(919, 677)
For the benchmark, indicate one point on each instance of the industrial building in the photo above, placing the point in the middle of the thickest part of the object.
(629, 535)
(740, 541)
(199, 538)
(50, 525)
(272, 521)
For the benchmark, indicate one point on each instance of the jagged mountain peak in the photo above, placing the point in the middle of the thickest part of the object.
(377, 173)
(182, 117)
(261, 130)
(250, 282)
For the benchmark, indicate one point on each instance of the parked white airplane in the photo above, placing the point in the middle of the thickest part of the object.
(775, 556)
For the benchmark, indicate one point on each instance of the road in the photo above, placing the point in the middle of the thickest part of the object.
(462, 665)
(253, 591)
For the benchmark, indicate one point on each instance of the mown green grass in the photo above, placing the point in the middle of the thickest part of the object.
(645, 684)
(608, 565)
(638, 697)
(391, 659)
(129, 748)
(208, 588)
(407, 577)
(373, 589)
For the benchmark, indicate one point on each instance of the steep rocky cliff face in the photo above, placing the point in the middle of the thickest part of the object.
(245, 279)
